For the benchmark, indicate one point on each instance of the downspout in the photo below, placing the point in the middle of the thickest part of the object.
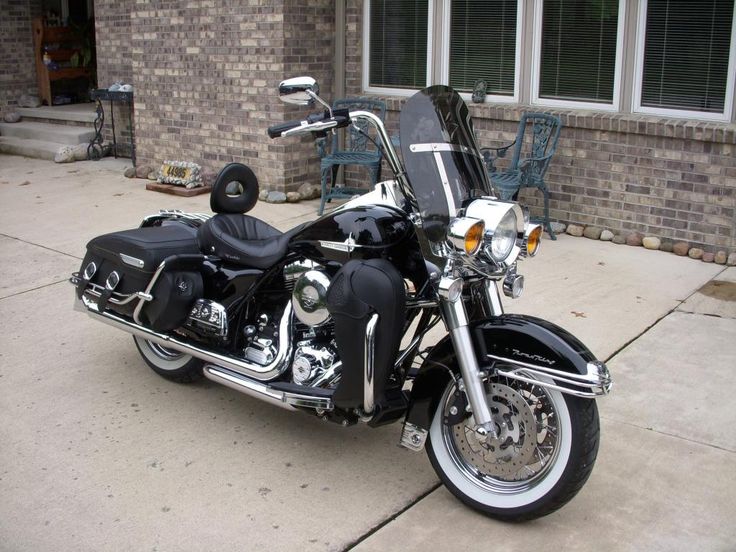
(339, 67)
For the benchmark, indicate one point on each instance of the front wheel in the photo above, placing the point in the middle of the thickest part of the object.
(170, 364)
(545, 450)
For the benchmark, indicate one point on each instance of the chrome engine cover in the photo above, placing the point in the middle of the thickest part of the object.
(309, 298)
(313, 365)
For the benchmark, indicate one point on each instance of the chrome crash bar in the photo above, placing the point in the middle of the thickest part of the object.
(595, 383)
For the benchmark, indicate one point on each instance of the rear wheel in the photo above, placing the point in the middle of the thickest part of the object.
(170, 364)
(545, 450)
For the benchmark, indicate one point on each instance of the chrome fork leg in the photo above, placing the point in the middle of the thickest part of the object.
(453, 311)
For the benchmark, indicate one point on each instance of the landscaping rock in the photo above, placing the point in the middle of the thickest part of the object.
(574, 230)
(558, 227)
(592, 232)
(262, 195)
(80, 152)
(208, 177)
(619, 239)
(293, 197)
(680, 248)
(12, 117)
(29, 100)
(651, 242)
(721, 257)
(143, 171)
(276, 197)
(634, 239)
(709, 257)
(129, 172)
(153, 175)
(731, 261)
(309, 191)
(606, 235)
(695, 253)
(64, 155)
(666, 246)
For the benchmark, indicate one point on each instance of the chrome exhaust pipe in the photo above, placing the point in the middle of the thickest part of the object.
(238, 382)
(239, 366)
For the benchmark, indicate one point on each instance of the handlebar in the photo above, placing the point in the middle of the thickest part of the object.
(317, 122)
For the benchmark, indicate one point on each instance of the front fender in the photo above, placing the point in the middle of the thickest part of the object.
(516, 346)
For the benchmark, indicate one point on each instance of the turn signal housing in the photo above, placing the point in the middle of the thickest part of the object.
(533, 240)
(466, 234)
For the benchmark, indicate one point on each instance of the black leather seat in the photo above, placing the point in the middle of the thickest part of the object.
(244, 240)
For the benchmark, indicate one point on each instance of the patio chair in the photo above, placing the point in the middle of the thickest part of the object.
(356, 151)
(527, 172)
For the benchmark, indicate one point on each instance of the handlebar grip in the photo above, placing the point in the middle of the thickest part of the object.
(275, 131)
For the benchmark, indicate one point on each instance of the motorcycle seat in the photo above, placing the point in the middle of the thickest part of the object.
(244, 240)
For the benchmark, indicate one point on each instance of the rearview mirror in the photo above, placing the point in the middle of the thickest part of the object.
(299, 90)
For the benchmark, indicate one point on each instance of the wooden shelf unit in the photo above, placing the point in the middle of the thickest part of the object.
(66, 44)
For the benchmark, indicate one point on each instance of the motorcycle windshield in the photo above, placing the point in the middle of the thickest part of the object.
(443, 163)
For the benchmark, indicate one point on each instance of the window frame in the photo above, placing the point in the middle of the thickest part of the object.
(367, 49)
(445, 55)
(615, 105)
(636, 107)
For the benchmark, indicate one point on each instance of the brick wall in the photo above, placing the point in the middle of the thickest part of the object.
(206, 76)
(674, 179)
(17, 63)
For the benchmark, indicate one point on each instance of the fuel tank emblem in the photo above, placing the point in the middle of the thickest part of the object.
(348, 245)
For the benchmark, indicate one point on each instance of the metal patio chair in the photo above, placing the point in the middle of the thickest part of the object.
(527, 172)
(357, 151)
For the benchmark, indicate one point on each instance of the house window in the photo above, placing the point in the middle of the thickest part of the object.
(398, 43)
(685, 56)
(483, 45)
(577, 51)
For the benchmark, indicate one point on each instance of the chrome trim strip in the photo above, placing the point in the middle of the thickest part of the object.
(132, 261)
(368, 364)
(445, 183)
(308, 401)
(596, 383)
(239, 366)
(442, 146)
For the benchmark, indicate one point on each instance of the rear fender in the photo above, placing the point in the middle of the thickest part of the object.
(519, 347)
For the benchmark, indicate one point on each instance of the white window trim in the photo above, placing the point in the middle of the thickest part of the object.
(445, 75)
(615, 105)
(367, 49)
(671, 112)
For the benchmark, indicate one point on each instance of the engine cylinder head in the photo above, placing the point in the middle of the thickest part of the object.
(310, 298)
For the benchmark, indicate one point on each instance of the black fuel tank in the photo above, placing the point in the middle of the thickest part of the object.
(363, 232)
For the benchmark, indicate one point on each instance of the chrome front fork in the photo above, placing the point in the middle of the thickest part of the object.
(456, 319)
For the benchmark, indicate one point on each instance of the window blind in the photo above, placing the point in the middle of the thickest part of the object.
(578, 51)
(398, 43)
(483, 45)
(686, 54)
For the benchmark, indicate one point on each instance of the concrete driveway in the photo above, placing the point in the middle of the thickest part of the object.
(99, 453)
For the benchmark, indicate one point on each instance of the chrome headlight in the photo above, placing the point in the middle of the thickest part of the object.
(503, 238)
(504, 223)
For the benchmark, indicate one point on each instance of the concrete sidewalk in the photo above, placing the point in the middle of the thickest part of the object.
(98, 453)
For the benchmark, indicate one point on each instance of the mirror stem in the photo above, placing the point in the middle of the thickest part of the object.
(316, 98)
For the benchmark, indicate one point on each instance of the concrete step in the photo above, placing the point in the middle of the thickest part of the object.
(63, 134)
(78, 113)
(40, 149)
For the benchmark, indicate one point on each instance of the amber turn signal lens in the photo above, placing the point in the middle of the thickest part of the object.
(474, 237)
(532, 243)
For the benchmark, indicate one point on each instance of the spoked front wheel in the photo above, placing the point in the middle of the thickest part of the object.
(544, 452)
(170, 364)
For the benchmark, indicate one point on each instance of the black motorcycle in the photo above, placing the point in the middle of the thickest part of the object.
(329, 317)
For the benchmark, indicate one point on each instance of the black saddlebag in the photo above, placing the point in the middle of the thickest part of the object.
(135, 255)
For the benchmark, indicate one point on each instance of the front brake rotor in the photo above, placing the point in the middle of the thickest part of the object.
(516, 443)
